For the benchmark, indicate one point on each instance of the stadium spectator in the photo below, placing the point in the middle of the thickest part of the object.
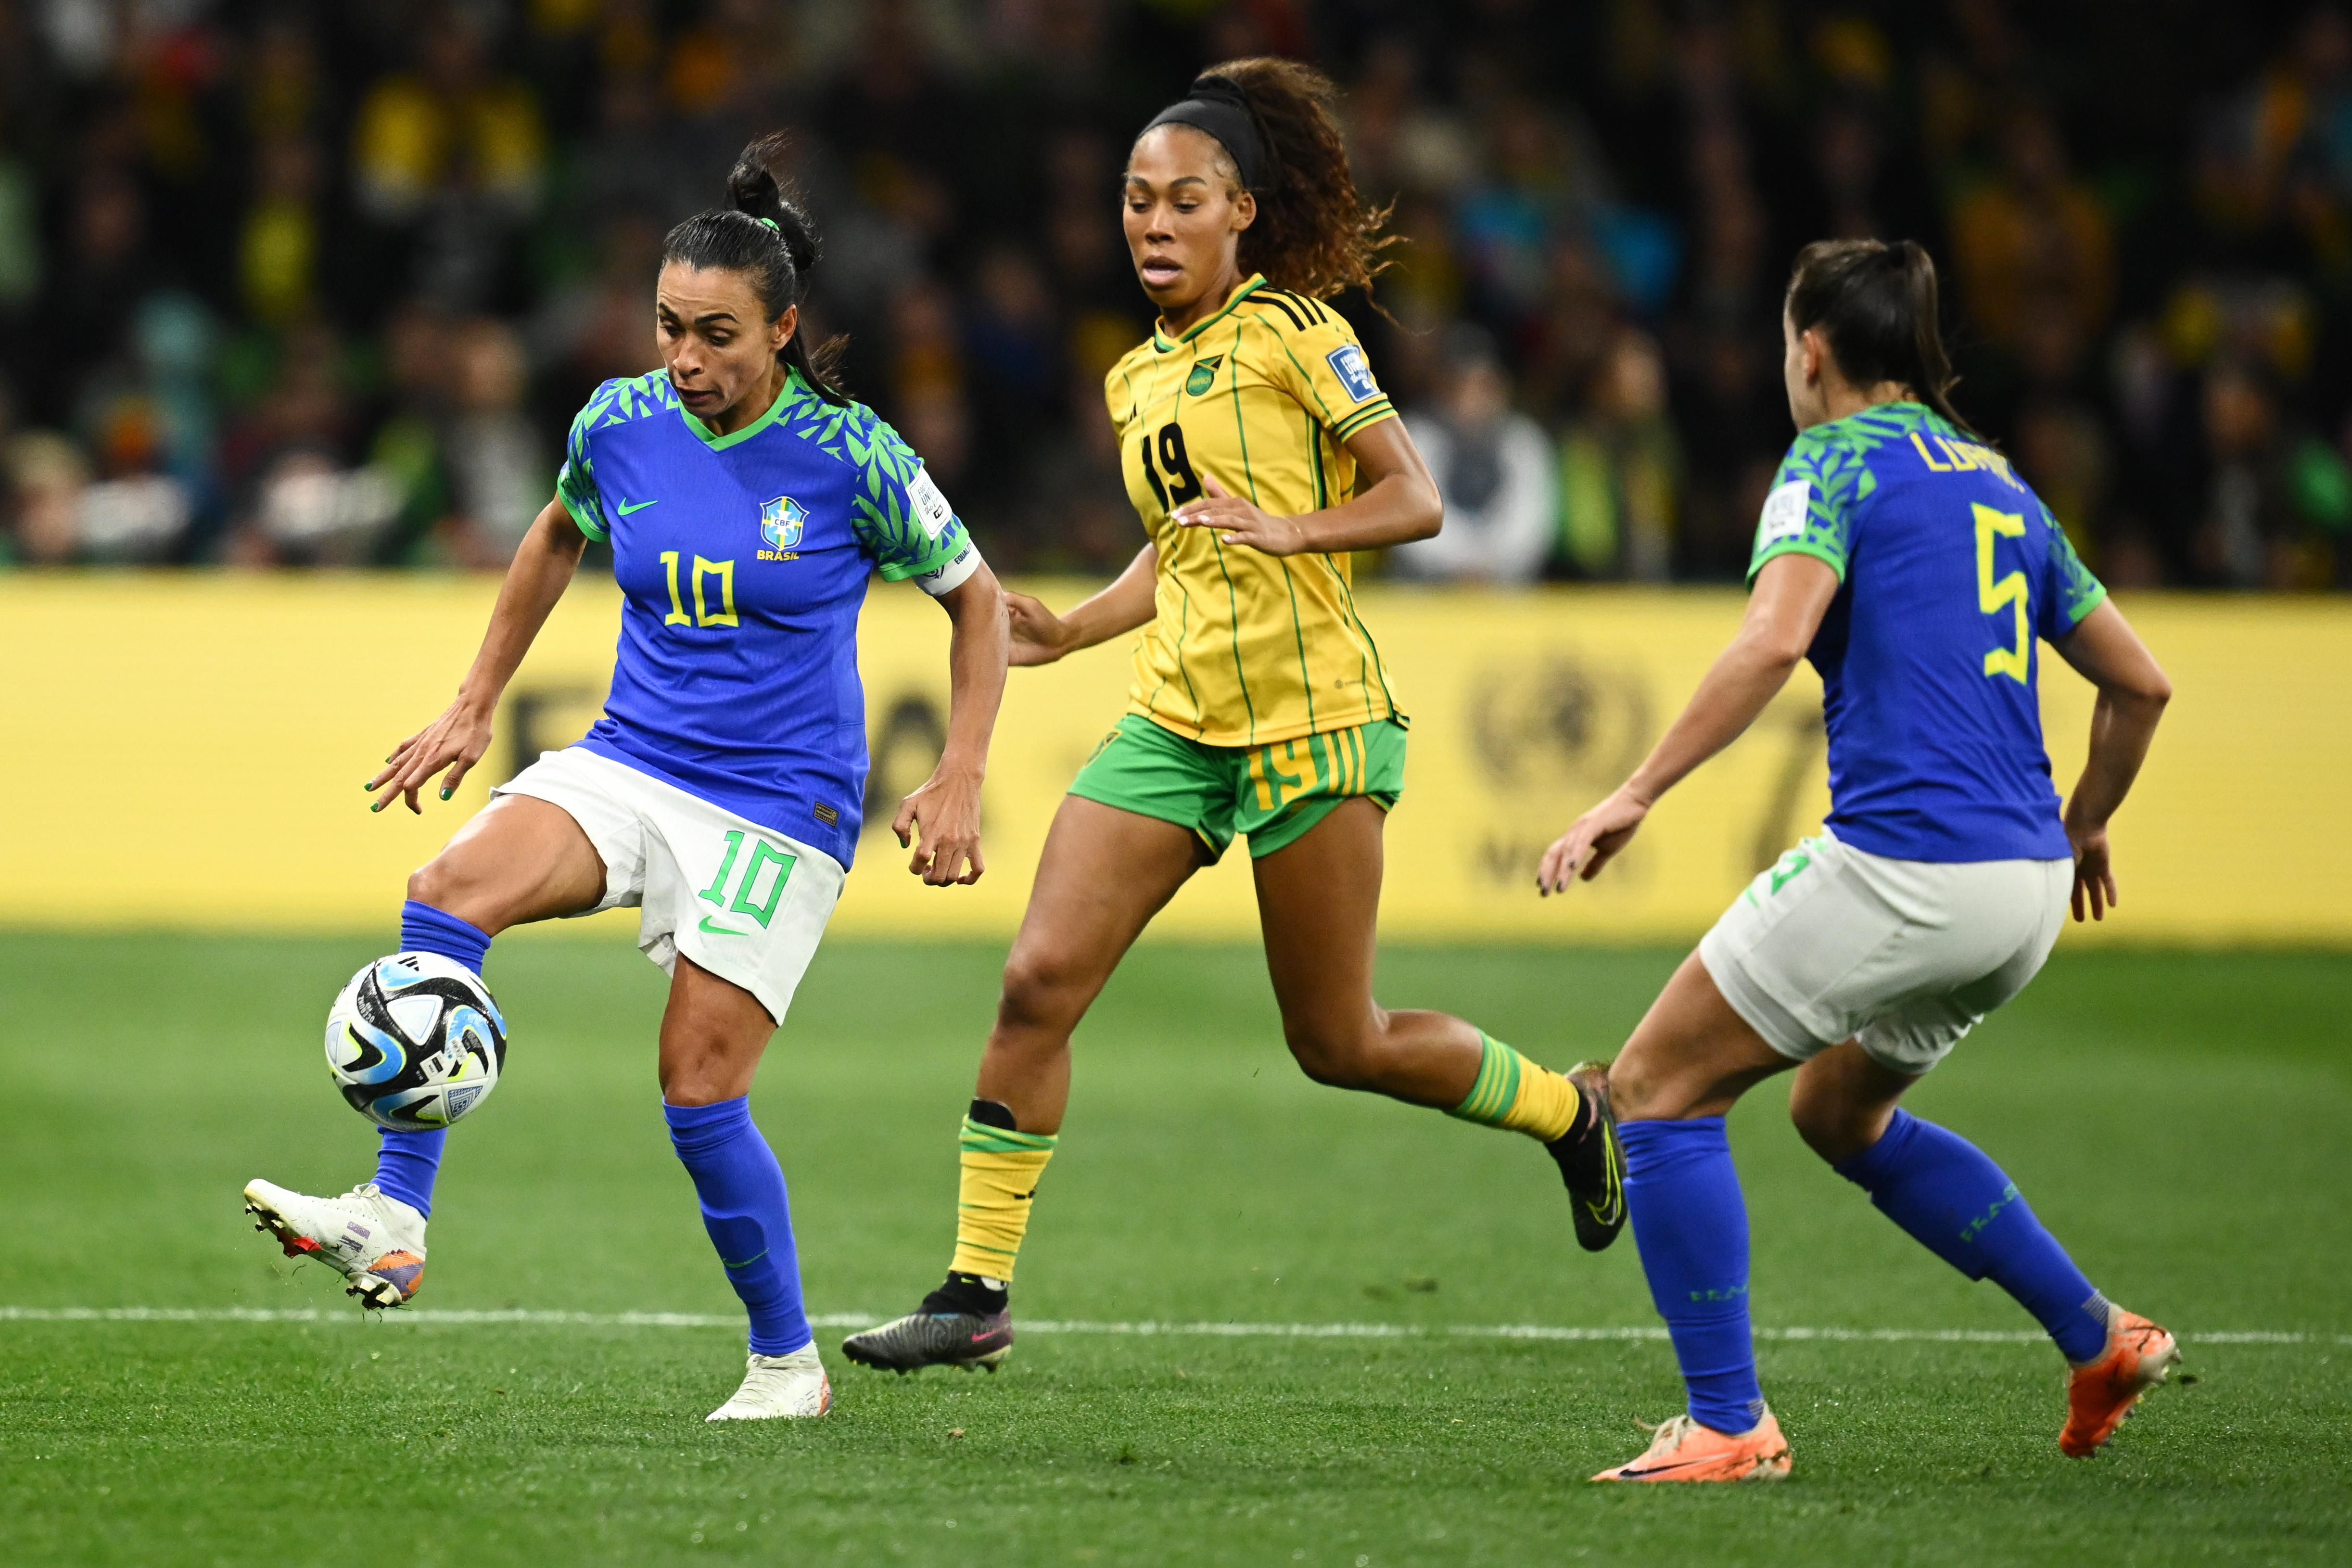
(2114, 226)
(1621, 469)
(1494, 469)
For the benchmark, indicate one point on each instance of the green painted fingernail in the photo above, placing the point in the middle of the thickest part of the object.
(377, 806)
(448, 793)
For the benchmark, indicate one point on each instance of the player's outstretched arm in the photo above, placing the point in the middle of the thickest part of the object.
(2133, 691)
(1398, 502)
(1793, 593)
(543, 568)
(1041, 637)
(945, 811)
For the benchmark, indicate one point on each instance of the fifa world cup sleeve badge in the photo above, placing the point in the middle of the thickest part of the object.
(1347, 363)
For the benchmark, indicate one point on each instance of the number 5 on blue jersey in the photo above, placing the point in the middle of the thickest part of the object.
(2008, 592)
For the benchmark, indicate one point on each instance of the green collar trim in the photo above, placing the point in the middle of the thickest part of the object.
(1904, 410)
(791, 393)
(1160, 339)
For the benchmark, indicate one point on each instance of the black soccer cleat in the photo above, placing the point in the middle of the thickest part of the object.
(1592, 1162)
(962, 1323)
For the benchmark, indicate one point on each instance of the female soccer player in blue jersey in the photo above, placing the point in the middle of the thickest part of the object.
(747, 502)
(1908, 561)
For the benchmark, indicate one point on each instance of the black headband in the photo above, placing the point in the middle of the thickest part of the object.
(1218, 106)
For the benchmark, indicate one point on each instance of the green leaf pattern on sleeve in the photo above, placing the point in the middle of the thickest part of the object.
(2072, 591)
(575, 482)
(1811, 509)
(898, 512)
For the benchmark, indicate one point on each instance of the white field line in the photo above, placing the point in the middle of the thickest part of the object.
(537, 1318)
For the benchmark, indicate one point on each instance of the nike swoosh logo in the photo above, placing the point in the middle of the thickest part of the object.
(718, 931)
(1633, 1474)
(628, 507)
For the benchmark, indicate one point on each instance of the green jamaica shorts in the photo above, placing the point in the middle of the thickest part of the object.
(1273, 793)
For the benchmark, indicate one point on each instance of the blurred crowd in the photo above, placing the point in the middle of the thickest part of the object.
(289, 284)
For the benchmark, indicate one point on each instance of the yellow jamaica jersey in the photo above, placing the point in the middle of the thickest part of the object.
(1246, 648)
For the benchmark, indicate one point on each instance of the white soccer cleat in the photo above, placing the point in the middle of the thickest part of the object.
(374, 1241)
(780, 1385)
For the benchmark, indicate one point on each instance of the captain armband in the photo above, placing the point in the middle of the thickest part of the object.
(950, 575)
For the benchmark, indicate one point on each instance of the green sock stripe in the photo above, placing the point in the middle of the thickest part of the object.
(980, 1138)
(1496, 1086)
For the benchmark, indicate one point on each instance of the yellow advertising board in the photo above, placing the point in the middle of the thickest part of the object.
(188, 751)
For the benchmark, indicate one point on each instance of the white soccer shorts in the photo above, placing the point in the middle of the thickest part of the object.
(744, 901)
(1902, 956)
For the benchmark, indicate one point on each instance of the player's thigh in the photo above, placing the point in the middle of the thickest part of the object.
(1691, 1055)
(1103, 875)
(520, 859)
(1319, 899)
(713, 1033)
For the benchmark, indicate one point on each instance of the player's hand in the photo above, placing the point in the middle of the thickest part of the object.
(1039, 636)
(1592, 842)
(1238, 523)
(946, 813)
(2094, 876)
(456, 740)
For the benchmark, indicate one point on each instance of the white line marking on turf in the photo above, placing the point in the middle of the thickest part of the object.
(537, 1317)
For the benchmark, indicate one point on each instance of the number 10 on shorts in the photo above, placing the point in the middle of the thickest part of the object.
(750, 897)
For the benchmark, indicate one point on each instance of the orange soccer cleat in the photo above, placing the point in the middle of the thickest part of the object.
(2098, 1397)
(1683, 1450)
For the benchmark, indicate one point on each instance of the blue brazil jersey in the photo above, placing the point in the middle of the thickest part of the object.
(742, 561)
(1951, 568)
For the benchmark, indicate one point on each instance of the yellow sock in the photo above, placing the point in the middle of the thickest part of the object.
(1522, 1095)
(1000, 1168)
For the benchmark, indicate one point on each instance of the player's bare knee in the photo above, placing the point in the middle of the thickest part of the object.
(1333, 1058)
(435, 883)
(1637, 1092)
(1834, 1130)
(696, 1075)
(1040, 993)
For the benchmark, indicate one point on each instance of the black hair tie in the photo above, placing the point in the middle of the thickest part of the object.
(1217, 105)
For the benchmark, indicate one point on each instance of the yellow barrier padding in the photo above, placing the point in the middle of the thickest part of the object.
(188, 752)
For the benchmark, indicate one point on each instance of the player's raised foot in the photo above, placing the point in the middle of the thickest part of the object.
(779, 1387)
(962, 1323)
(1591, 1160)
(2098, 1397)
(1683, 1450)
(376, 1243)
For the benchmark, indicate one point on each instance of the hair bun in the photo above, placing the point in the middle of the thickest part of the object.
(799, 232)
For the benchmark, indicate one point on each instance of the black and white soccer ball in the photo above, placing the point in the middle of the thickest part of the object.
(416, 1041)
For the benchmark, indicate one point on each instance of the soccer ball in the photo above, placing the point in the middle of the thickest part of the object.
(414, 1041)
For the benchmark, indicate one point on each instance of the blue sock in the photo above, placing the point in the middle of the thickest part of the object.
(424, 929)
(1958, 1204)
(407, 1163)
(748, 1215)
(1691, 1226)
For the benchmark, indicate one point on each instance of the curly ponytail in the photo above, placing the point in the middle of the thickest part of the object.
(1877, 304)
(1314, 235)
(765, 234)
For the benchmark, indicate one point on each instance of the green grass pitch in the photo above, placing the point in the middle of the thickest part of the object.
(2180, 1119)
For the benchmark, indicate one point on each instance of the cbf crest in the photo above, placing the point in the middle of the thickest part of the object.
(781, 521)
